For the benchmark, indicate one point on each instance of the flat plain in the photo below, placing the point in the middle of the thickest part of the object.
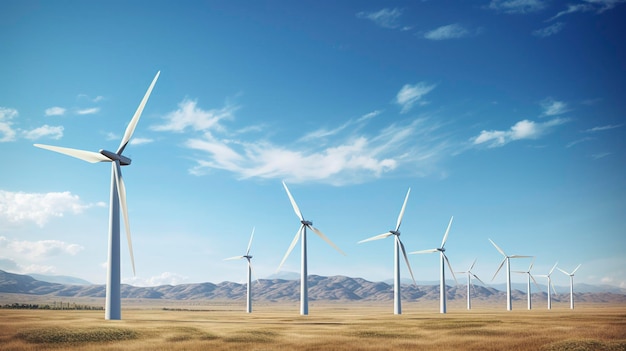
(329, 326)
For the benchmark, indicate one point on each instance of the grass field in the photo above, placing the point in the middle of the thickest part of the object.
(328, 327)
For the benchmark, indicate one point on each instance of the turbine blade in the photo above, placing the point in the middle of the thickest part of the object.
(423, 251)
(534, 280)
(445, 236)
(254, 276)
(293, 244)
(377, 237)
(121, 190)
(233, 258)
(88, 156)
(406, 259)
(564, 272)
(250, 242)
(520, 256)
(130, 129)
(450, 267)
(402, 211)
(553, 288)
(499, 268)
(321, 235)
(552, 270)
(472, 266)
(475, 276)
(296, 209)
(574, 271)
(497, 248)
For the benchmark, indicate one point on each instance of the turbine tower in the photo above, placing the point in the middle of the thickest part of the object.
(530, 276)
(304, 224)
(550, 284)
(113, 302)
(571, 286)
(509, 304)
(442, 273)
(470, 274)
(397, 305)
(249, 286)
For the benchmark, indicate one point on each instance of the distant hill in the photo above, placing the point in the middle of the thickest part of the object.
(335, 288)
(61, 279)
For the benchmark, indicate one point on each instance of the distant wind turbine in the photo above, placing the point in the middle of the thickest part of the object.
(470, 274)
(442, 273)
(113, 302)
(530, 276)
(509, 303)
(249, 286)
(397, 305)
(304, 224)
(571, 285)
(550, 284)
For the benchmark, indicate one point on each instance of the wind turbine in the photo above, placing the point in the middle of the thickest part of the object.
(442, 273)
(397, 305)
(571, 285)
(550, 285)
(470, 274)
(304, 224)
(249, 286)
(528, 291)
(113, 302)
(509, 304)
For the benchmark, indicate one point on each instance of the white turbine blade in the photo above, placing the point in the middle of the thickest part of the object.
(406, 259)
(564, 272)
(499, 268)
(121, 190)
(423, 251)
(475, 276)
(321, 235)
(552, 270)
(445, 236)
(253, 274)
(293, 244)
(519, 272)
(520, 256)
(233, 258)
(296, 209)
(450, 266)
(402, 211)
(472, 266)
(536, 284)
(497, 248)
(574, 271)
(377, 237)
(130, 129)
(553, 288)
(88, 156)
(250, 242)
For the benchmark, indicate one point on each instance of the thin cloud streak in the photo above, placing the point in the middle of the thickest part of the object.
(55, 111)
(522, 130)
(53, 132)
(410, 95)
(386, 18)
(549, 30)
(603, 128)
(451, 31)
(517, 6)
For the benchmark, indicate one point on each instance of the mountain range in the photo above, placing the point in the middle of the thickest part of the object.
(335, 288)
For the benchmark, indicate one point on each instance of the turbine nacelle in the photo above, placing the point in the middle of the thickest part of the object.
(124, 161)
(395, 232)
(306, 223)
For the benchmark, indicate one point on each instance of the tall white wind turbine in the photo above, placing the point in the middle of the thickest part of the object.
(550, 284)
(249, 286)
(528, 289)
(442, 272)
(301, 233)
(571, 285)
(113, 302)
(509, 303)
(470, 274)
(398, 246)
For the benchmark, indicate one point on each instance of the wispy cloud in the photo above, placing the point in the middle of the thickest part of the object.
(549, 30)
(140, 141)
(7, 133)
(386, 18)
(88, 111)
(517, 6)
(597, 6)
(450, 31)
(53, 132)
(55, 111)
(89, 98)
(165, 278)
(521, 130)
(39, 249)
(600, 155)
(409, 95)
(553, 107)
(39, 207)
(603, 128)
(576, 142)
(189, 116)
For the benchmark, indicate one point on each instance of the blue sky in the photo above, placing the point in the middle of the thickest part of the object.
(507, 115)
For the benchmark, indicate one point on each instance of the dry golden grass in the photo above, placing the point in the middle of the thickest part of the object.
(349, 326)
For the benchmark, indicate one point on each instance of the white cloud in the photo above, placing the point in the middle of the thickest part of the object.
(55, 111)
(386, 18)
(39, 207)
(39, 249)
(549, 30)
(140, 141)
(165, 278)
(451, 31)
(603, 128)
(188, 115)
(7, 133)
(572, 9)
(576, 142)
(88, 111)
(598, 6)
(54, 132)
(87, 97)
(409, 95)
(517, 6)
(521, 130)
(604, 5)
(552, 107)
(600, 155)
